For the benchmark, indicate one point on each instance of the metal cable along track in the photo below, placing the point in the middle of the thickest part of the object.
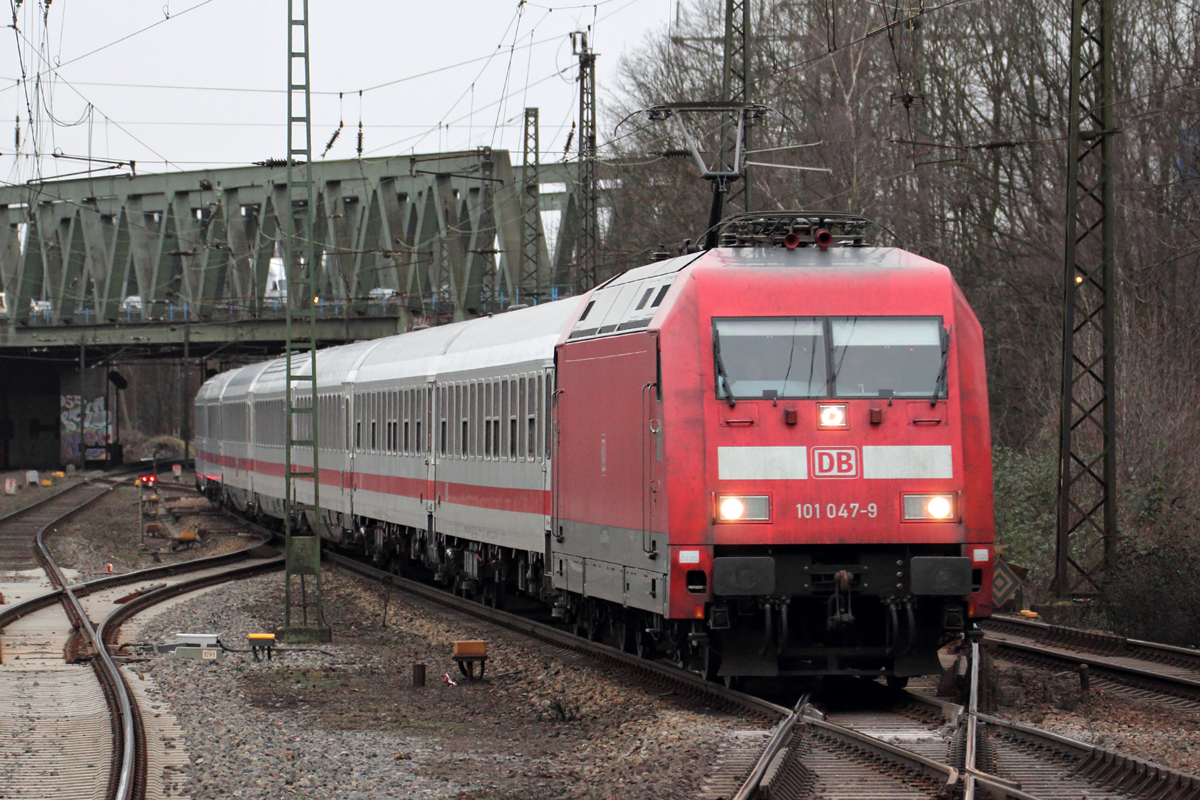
(1145, 670)
(127, 773)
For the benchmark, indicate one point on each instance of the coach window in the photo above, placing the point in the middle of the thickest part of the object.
(451, 424)
(460, 429)
(523, 410)
(504, 406)
(496, 406)
(393, 429)
(404, 418)
(494, 411)
(532, 419)
(460, 411)
(541, 416)
(418, 411)
(529, 405)
(487, 420)
(442, 417)
(319, 416)
(449, 427)
(512, 421)
(473, 416)
(452, 418)
(329, 423)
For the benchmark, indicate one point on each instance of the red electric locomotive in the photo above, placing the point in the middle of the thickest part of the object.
(767, 459)
(791, 461)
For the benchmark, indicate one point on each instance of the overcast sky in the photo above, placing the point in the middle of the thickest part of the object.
(203, 87)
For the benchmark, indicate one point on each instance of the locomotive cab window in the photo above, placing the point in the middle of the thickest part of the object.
(850, 357)
(770, 357)
(888, 357)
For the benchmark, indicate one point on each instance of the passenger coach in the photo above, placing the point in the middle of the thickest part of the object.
(767, 459)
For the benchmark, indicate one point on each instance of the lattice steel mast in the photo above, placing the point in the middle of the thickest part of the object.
(587, 246)
(1087, 494)
(300, 458)
(531, 275)
(737, 86)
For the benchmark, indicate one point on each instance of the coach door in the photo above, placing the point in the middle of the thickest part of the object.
(652, 453)
(348, 476)
(432, 411)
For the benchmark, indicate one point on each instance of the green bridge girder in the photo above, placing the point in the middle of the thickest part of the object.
(443, 231)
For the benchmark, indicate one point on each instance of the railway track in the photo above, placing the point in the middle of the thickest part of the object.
(881, 744)
(70, 723)
(872, 743)
(1143, 670)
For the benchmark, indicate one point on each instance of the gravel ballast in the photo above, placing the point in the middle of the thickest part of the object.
(108, 533)
(349, 724)
(1138, 728)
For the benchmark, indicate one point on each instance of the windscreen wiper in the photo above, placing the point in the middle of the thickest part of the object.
(721, 367)
(941, 376)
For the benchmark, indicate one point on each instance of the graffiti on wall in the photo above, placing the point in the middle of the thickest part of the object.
(71, 416)
(95, 429)
(84, 426)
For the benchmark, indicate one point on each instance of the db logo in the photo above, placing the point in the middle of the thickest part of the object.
(835, 462)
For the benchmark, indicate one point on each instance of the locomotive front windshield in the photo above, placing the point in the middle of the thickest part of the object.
(846, 357)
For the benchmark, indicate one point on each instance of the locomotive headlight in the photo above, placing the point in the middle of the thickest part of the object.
(831, 416)
(743, 508)
(732, 508)
(930, 507)
(938, 507)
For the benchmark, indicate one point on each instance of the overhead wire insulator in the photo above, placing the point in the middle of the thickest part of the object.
(360, 149)
(570, 138)
(338, 132)
(334, 138)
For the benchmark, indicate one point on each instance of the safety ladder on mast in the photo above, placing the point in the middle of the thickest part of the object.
(303, 613)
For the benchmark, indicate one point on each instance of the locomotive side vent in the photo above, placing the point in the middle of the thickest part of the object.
(792, 229)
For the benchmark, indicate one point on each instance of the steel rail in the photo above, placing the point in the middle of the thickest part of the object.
(1122, 773)
(1177, 690)
(106, 671)
(23, 609)
(111, 624)
(781, 736)
(1097, 642)
(932, 769)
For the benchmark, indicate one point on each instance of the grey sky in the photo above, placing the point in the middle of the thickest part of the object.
(235, 44)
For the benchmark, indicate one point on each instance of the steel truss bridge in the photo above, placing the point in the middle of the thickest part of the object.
(144, 263)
